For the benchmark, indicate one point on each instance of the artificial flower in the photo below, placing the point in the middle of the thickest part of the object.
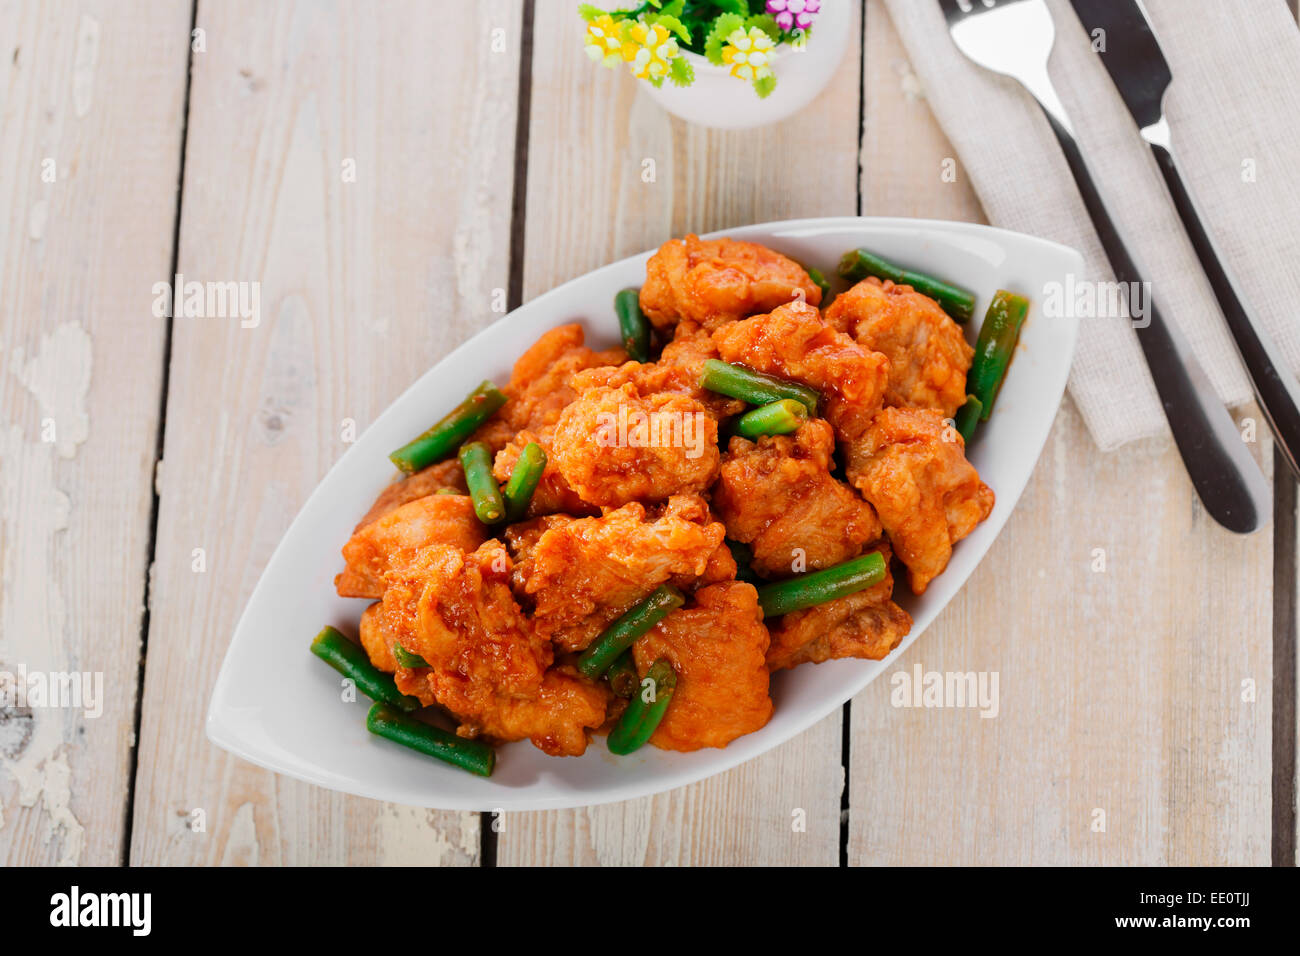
(649, 49)
(602, 41)
(747, 53)
(794, 13)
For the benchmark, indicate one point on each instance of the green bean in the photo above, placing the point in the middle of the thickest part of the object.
(524, 477)
(351, 661)
(622, 675)
(818, 587)
(744, 557)
(995, 347)
(618, 637)
(778, 418)
(476, 459)
(968, 417)
(820, 282)
(645, 710)
(406, 659)
(633, 325)
(957, 302)
(756, 388)
(452, 429)
(472, 755)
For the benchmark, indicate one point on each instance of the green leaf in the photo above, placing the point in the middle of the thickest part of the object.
(673, 9)
(680, 72)
(764, 87)
(723, 27)
(588, 12)
(672, 24)
(655, 81)
(767, 23)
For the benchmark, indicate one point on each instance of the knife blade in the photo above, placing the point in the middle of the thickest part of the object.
(1132, 56)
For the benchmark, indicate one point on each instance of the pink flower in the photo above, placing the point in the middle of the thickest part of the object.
(794, 13)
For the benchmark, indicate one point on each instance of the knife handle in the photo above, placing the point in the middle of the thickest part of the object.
(1274, 385)
(1228, 481)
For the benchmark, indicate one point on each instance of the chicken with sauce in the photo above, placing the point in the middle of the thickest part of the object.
(548, 620)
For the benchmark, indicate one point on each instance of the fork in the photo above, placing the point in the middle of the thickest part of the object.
(1014, 38)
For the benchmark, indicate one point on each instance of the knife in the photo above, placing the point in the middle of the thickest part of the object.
(1133, 58)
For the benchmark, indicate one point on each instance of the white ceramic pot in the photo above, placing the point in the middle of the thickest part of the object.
(718, 99)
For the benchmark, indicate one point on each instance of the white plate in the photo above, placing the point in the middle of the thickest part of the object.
(277, 705)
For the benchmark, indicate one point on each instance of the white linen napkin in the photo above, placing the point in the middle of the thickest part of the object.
(1234, 115)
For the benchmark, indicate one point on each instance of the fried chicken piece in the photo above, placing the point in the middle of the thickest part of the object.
(556, 718)
(717, 646)
(614, 445)
(541, 383)
(778, 496)
(377, 642)
(911, 465)
(489, 666)
(714, 281)
(865, 624)
(928, 354)
(444, 476)
(553, 494)
(582, 575)
(794, 342)
(393, 539)
(678, 371)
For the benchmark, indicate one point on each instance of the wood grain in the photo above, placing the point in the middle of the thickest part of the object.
(591, 138)
(89, 91)
(366, 280)
(1121, 690)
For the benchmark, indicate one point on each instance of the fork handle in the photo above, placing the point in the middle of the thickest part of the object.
(1275, 387)
(1228, 481)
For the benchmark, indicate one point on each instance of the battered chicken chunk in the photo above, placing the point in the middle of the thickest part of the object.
(541, 383)
(911, 465)
(928, 354)
(615, 445)
(394, 539)
(865, 624)
(444, 476)
(717, 645)
(553, 494)
(488, 663)
(377, 642)
(714, 281)
(582, 575)
(678, 371)
(778, 496)
(795, 343)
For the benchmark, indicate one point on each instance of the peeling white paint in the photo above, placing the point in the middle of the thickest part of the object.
(36, 219)
(83, 67)
(412, 836)
(59, 378)
(59, 819)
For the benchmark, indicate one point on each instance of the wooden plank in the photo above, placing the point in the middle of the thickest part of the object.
(90, 91)
(351, 164)
(587, 204)
(1121, 690)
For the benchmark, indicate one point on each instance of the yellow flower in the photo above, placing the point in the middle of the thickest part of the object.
(748, 54)
(648, 50)
(602, 41)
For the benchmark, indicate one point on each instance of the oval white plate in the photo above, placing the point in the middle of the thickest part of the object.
(276, 705)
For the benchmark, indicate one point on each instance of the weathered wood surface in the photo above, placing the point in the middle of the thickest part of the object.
(1120, 690)
(90, 132)
(364, 182)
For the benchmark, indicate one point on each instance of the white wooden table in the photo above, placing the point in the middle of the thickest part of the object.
(388, 172)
